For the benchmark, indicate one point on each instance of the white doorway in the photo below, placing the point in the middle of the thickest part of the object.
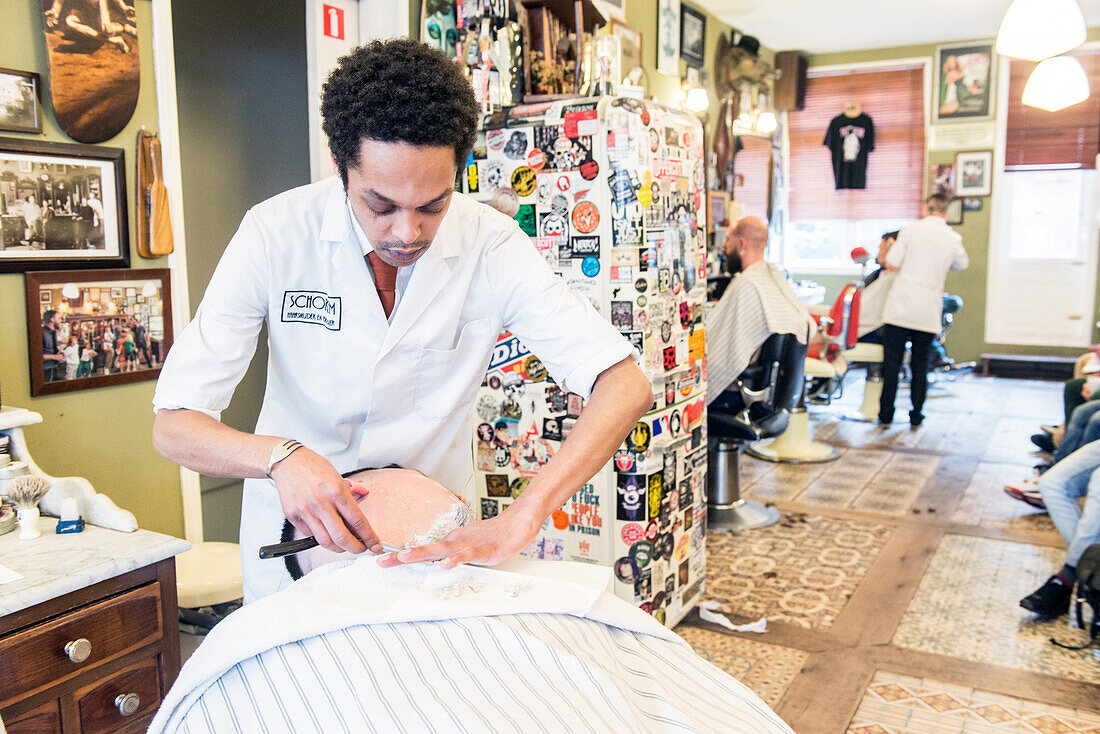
(1042, 265)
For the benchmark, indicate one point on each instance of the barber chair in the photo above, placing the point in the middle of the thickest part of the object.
(864, 353)
(756, 406)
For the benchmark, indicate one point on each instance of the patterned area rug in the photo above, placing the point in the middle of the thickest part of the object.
(898, 704)
(802, 570)
(967, 606)
(766, 669)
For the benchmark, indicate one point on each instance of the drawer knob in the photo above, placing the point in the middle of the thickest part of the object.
(127, 703)
(78, 650)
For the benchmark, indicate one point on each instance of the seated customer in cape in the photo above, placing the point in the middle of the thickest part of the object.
(760, 302)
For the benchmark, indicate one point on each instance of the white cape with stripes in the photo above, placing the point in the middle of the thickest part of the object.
(872, 302)
(526, 646)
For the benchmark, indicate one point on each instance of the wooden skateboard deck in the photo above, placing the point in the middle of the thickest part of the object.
(95, 72)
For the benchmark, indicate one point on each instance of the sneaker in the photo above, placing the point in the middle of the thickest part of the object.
(1050, 430)
(1043, 441)
(1027, 492)
(1049, 600)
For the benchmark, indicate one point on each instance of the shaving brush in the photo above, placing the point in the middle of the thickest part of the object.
(25, 493)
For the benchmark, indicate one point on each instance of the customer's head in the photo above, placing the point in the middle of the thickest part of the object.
(51, 319)
(748, 238)
(884, 245)
(400, 120)
(937, 204)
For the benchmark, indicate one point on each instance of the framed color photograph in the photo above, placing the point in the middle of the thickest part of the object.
(941, 179)
(77, 342)
(955, 211)
(668, 37)
(20, 101)
(62, 206)
(974, 172)
(964, 77)
(693, 35)
(630, 46)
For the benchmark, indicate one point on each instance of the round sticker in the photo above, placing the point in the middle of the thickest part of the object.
(644, 116)
(651, 531)
(632, 533)
(645, 195)
(523, 181)
(647, 607)
(518, 485)
(681, 547)
(642, 553)
(561, 519)
(641, 285)
(589, 170)
(494, 382)
(506, 201)
(495, 139)
(642, 301)
(626, 570)
(664, 546)
(534, 369)
(586, 217)
(590, 266)
(536, 159)
(484, 432)
(638, 438)
(624, 461)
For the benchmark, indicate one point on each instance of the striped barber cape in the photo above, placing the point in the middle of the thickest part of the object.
(758, 303)
(532, 646)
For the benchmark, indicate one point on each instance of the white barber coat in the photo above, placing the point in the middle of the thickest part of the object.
(358, 390)
(924, 252)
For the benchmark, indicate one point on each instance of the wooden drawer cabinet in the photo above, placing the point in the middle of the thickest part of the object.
(97, 660)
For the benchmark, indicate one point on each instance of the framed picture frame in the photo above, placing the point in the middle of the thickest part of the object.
(974, 173)
(62, 206)
(941, 179)
(100, 342)
(963, 83)
(20, 101)
(630, 45)
(718, 204)
(693, 36)
(668, 37)
(613, 9)
(955, 211)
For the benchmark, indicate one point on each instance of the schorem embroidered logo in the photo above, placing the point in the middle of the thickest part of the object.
(312, 307)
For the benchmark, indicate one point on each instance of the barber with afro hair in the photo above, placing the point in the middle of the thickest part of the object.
(384, 291)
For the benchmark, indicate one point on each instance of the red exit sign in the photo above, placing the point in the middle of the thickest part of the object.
(334, 22)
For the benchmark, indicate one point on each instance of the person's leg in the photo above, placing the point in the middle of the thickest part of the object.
(1071, 395)
(893, 350)
(918, 386)
(1088, 526)
(1075, 429)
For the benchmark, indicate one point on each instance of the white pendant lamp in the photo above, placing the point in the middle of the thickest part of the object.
(766, 122)
(697, 100)
(1057, 83)
(1038, 29)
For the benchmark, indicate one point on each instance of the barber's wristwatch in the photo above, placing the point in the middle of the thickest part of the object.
(280, 452)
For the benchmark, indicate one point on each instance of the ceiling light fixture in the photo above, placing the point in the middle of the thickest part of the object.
(1038, 29)
(766, 122)
(1057, 83)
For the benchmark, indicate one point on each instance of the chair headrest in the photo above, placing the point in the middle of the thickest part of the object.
(860, 255)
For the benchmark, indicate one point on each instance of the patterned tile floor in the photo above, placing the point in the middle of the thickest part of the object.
(766, 669)
(802, 570)
(898, 704)
(985, 505)
(966, 606)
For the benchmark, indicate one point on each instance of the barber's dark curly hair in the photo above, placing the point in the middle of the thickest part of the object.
(397, 91)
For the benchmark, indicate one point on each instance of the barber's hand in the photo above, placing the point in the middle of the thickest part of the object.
(319, 502)
(483, 543)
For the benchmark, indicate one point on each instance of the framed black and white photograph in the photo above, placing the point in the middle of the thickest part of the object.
(77, 339)
(972, 205)
(20, 101)
(974, 173)
(62, 206)
(693, 35)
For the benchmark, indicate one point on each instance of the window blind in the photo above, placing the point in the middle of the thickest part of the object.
(1068, 138)
(894, 99)
(751, 164)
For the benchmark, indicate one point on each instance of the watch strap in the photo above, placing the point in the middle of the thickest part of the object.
(280, 452)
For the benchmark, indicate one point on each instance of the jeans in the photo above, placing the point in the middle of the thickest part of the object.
(1076, 475)
(1083, 427)
(893, 352)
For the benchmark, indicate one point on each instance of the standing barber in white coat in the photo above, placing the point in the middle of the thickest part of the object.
(358, 384)
(913, 310)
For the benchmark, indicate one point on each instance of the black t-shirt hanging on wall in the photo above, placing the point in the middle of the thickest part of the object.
(850, 139)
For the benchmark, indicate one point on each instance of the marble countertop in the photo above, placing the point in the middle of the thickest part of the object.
(53, 565)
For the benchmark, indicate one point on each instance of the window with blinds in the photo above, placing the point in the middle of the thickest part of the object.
(1041, 140)
(824, 223)
(751, 166)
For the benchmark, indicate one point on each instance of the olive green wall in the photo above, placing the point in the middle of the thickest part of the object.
(100, 434)
(967, 338)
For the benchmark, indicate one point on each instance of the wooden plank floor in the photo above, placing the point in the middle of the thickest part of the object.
(891, 584)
